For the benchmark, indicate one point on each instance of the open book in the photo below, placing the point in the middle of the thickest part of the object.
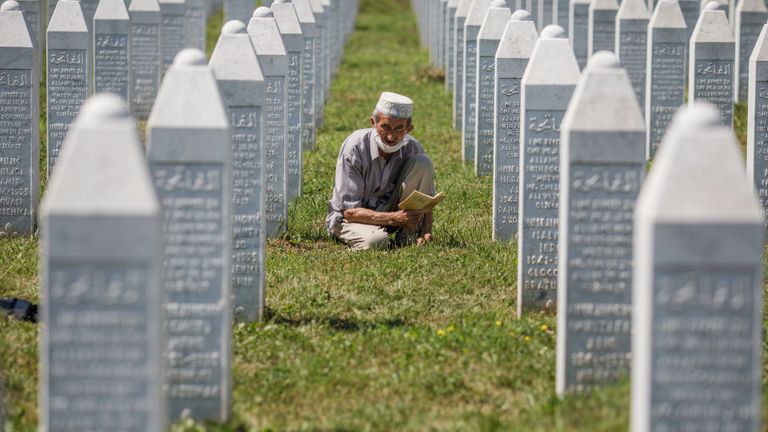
(420, 201)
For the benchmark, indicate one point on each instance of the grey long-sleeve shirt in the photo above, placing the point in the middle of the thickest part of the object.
(363, 178)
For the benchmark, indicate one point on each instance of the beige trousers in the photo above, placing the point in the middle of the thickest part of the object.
(416, 173)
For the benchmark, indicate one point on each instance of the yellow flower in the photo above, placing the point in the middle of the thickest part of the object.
(498, 323)
(450, 328)
(527, 338)
(544, 327)
(441, 332)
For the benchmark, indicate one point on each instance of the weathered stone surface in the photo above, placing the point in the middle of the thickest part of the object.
(602, 25)
(68, 80)
(102, 337)
(458, 69)
(241, 84)
(308, 77)
(515, 49)
(724, 5)
(578, 30)
(632, 42)
(602, 163)
(690, 9)
(757, 121)
(471, 30)
(450, 41)
(19, 131)
(711, 63)
(145, 56)
(547, 86)
(190, 159)
(320, 41)
(172, 40)
(491, 31)
(665, 70)
(111, 27)
(269, 47)
(36, 19)
(240, 10)
(749, 17)
(697, 290)
(561, 14)
(194, 24)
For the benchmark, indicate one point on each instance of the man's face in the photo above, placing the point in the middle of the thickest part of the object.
(391, 130)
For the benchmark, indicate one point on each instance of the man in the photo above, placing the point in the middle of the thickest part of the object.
(377, 168)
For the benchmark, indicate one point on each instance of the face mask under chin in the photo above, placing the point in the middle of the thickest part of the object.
(387, 148)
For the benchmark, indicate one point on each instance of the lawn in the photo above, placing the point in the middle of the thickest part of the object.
(409, 339)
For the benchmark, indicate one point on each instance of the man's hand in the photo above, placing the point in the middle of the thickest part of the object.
(409, 219)
(426, 238)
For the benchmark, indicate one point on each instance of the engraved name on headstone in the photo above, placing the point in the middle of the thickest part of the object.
(173, 14)
(101, 257)
(515, 49)
(308, 27)
(270, 50)
(190, 160)
(631, 44)
(602, 25)
(450, 40)
(749, 17)
(19, 131)
(320, 36)
(697, 290)
(194, 24)
(458, 67)
(711, 63)
(145, 56)
(665, 70)
(469, 119)
(68, 77)
(33, 11)
(547, 85)
(578, 30)
(241, 84)
(238, 10)
(111, 27)
(602, 163)
(757, 121)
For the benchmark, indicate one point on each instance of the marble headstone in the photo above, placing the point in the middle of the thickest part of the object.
(488, 43)
(190, 160)
(172, 40)
(749, 17)
(458, 68)
(450, 40)
(238, 10)
(665, 70)
(194, 24)
(308, 81)
(111, 28)
(320, 36)
(602, 25)
(68, 79)
(512, 57)
(472, 25)
(547, 85)
(711, 62)
(293, 39)
(631, 44)
(270, 50)
(102, 337)
(19, 131)
(724, 5)
(241, 84)
(145, 56)
(690, 9)
(533, 7)
(561, 14)
(36, 20)
(697, 290)
(578, 30)
(602, 163)
(757, 120)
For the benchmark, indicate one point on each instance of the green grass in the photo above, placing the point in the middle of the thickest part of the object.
(409, 339)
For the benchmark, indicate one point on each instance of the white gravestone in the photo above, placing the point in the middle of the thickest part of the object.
(471, 30)
(697, 291)
(320, 36)
(329, 32)
(450, 49)
(749, 17)
(190, 159)
(547, 86)
(145, 56)
(173, 14)
(269, 47)
(241, 84)
(33, 11)
(68, 78)
(578, 30)
(562, 9)
(111, 28)
(515, 49)
(690, 9)
(293, 39)
(757, 120)
(631, 44)
(238, 10)
(19, 131)
(533, 7)
(458, 64)
(602, 163)
(602, 25)
(194, 24)
(724, 5)
(665, 70)
(488, 43)
(711, 63)
(308, 81)
(102, 337)
(439, 32)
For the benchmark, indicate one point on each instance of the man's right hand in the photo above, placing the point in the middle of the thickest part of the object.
(409, 219)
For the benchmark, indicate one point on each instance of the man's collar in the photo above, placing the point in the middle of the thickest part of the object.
(375, 149)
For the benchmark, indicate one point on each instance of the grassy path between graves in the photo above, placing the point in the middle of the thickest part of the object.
(411, 339)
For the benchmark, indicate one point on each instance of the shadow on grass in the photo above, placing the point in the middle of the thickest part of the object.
(336, 324)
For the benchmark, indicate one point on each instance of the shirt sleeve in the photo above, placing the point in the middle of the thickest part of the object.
(348, 188)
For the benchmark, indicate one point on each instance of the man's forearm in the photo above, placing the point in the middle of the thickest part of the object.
(426, 225)
(368, 216)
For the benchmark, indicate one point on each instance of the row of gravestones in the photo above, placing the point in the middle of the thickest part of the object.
(147, 260)
(126, 50)
(663, 274)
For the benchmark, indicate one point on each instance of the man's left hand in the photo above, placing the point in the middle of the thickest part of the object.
(426, 238)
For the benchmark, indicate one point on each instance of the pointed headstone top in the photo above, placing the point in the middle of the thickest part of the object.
(495, 22)
(521, 15)
(712, 26)
(552, 61)
(477, 12)
(317, 6)
(234, 57)
(668, 15)
(287, 20)
(752, 6)
(681, 187)
(144, 5)
(498, 4)
(603, 60)
(190, 57)
(712, 6)
(760, 52)
(604, 5)
(633, 9)
(67, 17)
(519, 38)
(111, 10)
(234, 27)
(463, 8)
(13, 29)
(553, 32)
(10, 5)
(304, 11)
(102, 169)
(264, 33)
(263, 12)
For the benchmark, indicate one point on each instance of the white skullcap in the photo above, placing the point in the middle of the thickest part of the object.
(395, 105)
